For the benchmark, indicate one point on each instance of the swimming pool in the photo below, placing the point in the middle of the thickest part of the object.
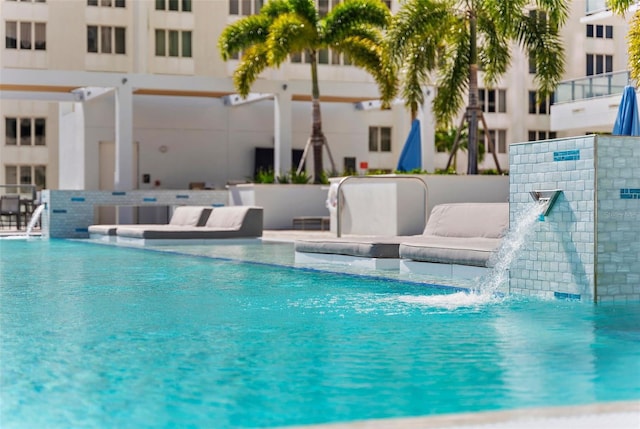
(94, 336)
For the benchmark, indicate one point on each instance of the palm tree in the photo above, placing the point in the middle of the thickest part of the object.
(457, 38)
(633, 37)
(285, 27)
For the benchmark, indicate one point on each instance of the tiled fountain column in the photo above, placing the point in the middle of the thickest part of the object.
(588, 247)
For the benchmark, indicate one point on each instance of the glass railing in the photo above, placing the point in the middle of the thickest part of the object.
(599, 85)
(595, 6)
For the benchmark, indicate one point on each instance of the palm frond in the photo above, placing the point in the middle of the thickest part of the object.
(454, 78)
(351, 15)
(305, 9)
(494, 55)
(418, 22)
(557, 11)
(542, 39)
(634, 47)
(290, 33)
(275, 8)
(242, 34)
(415, 74)
(368, 53)
(253, 62)
(620, 6)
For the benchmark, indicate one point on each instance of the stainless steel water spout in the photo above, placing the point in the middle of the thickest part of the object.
(546, 198)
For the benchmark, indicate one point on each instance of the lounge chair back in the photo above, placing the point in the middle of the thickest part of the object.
(488, 220)
(190, 216)
(247, 219)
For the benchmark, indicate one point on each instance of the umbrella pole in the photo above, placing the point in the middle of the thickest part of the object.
(303, 157)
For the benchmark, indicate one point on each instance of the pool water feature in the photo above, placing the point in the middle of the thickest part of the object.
(95, 336)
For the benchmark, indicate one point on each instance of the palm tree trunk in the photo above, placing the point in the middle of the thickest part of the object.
(472, 109)
(317, 137)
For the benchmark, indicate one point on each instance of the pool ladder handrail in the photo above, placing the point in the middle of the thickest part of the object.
(350, 178)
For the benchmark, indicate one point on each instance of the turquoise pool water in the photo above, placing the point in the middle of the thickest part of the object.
(93, 336)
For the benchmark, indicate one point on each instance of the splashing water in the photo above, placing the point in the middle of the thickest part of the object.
(450, 301)
(489, 285)
(34, 219)
(509, 249)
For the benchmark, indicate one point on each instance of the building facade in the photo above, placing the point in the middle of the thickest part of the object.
(128, 94)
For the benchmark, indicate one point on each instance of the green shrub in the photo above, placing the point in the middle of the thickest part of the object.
(264, 176)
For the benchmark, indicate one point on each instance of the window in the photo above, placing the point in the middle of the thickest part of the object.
(498, 137)
(538, 106)
(541, 135)
(599, 64)
(26, 175)
(21, 35)
(106, 40)
(379, 139)
(600, 31)
(25, 131)
(174, 5)
(245, 7)
(533, 69)
(107, 3)
(349, 165)
(492, 100)
(173, 43)
(10, 131)
(608, 32)
(325, 56)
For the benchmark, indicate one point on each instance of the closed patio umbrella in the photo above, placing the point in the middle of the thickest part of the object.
(411, 156)
(627, 122)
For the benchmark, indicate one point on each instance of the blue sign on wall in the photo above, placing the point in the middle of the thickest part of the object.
(566, 155)
(630, 194)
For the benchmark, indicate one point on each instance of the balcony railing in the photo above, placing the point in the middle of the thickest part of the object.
(595, 6)
(600, 85)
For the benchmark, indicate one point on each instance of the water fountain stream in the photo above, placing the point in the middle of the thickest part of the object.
(37, 213)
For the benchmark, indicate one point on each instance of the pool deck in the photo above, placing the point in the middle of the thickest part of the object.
(613, 415)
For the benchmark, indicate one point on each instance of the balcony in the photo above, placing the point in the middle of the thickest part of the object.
(600, 85)
(588, 104)
(596, 6)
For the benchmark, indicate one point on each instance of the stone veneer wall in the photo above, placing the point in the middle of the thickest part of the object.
(588, 247)
(68, 214)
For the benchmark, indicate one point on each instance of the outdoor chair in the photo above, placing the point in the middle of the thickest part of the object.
(10, 207)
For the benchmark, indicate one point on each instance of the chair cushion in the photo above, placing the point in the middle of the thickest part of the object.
(190, 216)
(488, 220)
(227, 217)
(450, 250)
(373, 247)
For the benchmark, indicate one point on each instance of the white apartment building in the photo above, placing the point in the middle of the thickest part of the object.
(126, 94)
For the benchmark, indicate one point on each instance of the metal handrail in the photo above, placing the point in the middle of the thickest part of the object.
(349, 178)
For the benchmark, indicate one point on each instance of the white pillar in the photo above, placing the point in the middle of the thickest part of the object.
(71, 146)
(283, 134)
(428, 130)
(123, 178)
